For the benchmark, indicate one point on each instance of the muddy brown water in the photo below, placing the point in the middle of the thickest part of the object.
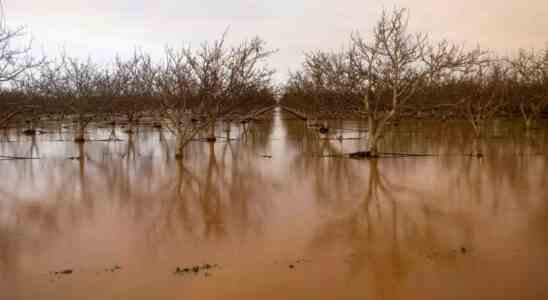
(278, 214)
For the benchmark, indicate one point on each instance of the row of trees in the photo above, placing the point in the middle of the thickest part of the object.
(187, 91)
(391, 73)
(395, 72)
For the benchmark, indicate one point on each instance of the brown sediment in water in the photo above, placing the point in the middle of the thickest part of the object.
(130, 222)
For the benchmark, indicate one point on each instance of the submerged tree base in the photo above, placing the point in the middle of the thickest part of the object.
(79, 140)
(29, 132)
(363, 155)
(324, 130)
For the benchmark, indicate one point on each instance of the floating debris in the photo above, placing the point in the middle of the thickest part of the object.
(194, 269)
(436, 254)
(294, 264)
(63, 272)
(113, 269)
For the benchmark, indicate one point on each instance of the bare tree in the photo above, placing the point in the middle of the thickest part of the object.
(82, 93)
(336, 86)
(134, 86)
(530, 84)
(397, 64)
(177, 98)
(484, 90)
(297, 92)
(14, 59)
(198, 87)
(224, 75)
(376, 78)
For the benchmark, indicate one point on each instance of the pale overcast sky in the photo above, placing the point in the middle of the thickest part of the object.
(102, 28)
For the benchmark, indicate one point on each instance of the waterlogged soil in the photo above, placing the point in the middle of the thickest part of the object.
(280, 212)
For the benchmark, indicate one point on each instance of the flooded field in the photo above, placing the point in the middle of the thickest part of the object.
(277, 214)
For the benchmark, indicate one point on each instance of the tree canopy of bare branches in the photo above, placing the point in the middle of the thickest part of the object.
(379, 75)
(197, 87)
(15, 59)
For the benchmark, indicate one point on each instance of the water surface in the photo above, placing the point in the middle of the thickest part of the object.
(277, 214)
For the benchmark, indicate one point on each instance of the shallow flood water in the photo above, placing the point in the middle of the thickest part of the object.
(277, 214)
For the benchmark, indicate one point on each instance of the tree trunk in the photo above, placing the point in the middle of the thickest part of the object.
(375, 131)
(372, 137)
(32, 124)
(113, 133)
(528, 118)
(211, 151)
(479, 131)
(528, 123)
(476, 151)
(228, 130)
(130, 125)
(179, 145)
(211, 132)
(31, 130)
(130, 148)
(244, 129)
(80, 132)
(341, 130)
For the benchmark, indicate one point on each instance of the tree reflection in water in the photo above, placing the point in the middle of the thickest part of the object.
(392, 228)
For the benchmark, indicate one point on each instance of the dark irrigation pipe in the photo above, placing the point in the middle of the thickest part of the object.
(389, 154)
(340, 139)
(7, 157)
